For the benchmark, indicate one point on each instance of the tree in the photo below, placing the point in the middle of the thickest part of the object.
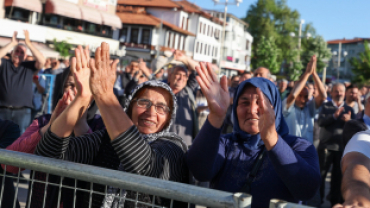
(63, 48)
(316, 46)
(267, 54)
(361, 66)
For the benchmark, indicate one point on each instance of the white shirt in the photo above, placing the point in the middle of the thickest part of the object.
(360, 142)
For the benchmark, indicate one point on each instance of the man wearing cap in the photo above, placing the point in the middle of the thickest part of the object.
(158, 65)
(16, 81)
(181, 79)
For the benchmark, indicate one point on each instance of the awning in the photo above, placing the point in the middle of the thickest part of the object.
(91, 15)
(44, 49)
(111, 20)
(32, 5)
(63, 8)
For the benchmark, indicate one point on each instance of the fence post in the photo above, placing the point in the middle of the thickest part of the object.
(242, 200)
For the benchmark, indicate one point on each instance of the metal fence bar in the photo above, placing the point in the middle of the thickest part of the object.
(30, 189)
(276, 203)
(16, 190)
(2, 187)
(137, 183)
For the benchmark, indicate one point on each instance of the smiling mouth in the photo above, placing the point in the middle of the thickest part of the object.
(252, 119)
(149, 122)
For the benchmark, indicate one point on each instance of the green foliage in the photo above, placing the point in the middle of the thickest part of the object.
(361, 66)
(316, 46)
(63, 48)
(267, 54)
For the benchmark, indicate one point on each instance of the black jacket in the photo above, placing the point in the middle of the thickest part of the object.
(351, 128)
(331, 133)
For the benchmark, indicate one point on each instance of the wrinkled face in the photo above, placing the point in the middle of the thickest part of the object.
(302, 98)
(352, 94)
(337, 93)
(244, 77)
(19, 54)
(262, 72)
(148, 121)
(247, 110)
(70, 85)
(178, 79)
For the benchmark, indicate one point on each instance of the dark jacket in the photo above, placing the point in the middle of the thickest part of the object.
(331, 133)
(351, 128)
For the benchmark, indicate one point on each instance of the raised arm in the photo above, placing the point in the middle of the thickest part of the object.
(40, 59)
(4, 50)
(301, 83)
(321, 96)
(64, 125)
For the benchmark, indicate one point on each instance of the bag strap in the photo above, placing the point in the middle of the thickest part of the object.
(252, 175)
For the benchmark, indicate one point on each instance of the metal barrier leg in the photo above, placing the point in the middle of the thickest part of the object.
(16, 190)
(30, 189)
(2, 187)
(242, 200)
(46, 190)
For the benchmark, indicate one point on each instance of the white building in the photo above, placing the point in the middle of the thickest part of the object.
(78, 22)
(237, 46)
(192, 30)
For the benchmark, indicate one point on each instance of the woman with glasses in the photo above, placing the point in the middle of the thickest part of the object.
(136, 140)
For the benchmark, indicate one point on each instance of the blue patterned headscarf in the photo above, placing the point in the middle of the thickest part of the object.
(272, 93)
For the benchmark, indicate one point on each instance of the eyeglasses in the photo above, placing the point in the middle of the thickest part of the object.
(145, 103)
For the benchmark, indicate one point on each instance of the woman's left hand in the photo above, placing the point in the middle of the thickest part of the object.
(103, 72)
(81, 72)
(266, 123)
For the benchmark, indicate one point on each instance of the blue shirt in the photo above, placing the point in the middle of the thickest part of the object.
(300, 121)
(367, 120)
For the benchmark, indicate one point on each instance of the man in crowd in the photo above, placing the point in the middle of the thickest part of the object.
(283, 88)
(353, 99)
(262, 72)
(183, 84)
(299, 111)
(332, 119)
(55, 68)
(234, 81)
(244, 76)
(16, 81)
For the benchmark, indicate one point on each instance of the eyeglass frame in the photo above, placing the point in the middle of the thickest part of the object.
(151, 104)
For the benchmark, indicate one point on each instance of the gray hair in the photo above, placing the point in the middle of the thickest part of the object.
(21, 44)
(338, 84)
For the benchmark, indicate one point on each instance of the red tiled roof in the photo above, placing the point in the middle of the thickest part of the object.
(147, 19)
(347, 41)
(149, 3)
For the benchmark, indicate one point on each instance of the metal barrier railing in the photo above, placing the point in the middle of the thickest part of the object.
(118, 179)
(49, 89)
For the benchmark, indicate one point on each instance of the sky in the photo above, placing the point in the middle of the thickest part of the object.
(332, 19)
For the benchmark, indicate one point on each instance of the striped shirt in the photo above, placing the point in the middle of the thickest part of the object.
(162, 158)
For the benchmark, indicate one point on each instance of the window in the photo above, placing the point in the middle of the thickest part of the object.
(197, 50)
(204, 29)
(134, 37)
(123, 34)
(201, 48)
(247, 45)
(200, 28)
(183, 43)
(187, 23)
(90, 28)
(19, 14)
(53, 20)
(179, 43)
(246, 58)
(173, 40)
(169, 39)
(145, 36)
(216, 53)
(211, 31)
(213, 51)
(209, 50)
(183, 23)
(205, 49)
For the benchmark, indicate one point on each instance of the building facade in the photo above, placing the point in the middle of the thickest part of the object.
(349, 48)
(237, 51)
(78, 22)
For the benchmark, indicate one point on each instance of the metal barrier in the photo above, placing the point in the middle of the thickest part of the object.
(50, 81)
(118, 179)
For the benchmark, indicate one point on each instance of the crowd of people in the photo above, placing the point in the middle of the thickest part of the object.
(177, 120)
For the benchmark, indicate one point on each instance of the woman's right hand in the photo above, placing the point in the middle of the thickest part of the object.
(216, 93)
(81, 72)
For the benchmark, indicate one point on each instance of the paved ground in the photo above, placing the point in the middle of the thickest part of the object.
(23, 190)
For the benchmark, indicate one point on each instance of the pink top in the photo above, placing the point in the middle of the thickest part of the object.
(26, 143)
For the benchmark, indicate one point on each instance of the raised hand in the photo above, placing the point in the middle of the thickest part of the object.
(266, 123)
(216, 93)
(81, 72)
(14, 38)
(27, 39)
(346, 117)
(338, 112)
(103, 73)
(311, 66)
(179, 56)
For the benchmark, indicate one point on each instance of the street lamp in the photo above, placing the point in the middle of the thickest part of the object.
(308, 35)
(226, 3)
(338, 55)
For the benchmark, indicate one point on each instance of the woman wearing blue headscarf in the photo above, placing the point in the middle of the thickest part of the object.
(259, 157)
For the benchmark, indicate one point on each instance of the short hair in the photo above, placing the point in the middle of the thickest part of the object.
(21, 44)
(283, 80)
(338, 84)
(352, 86)
(268, 74)
(247, 72)
(234, 76)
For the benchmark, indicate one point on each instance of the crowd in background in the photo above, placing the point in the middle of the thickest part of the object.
(183, 122)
